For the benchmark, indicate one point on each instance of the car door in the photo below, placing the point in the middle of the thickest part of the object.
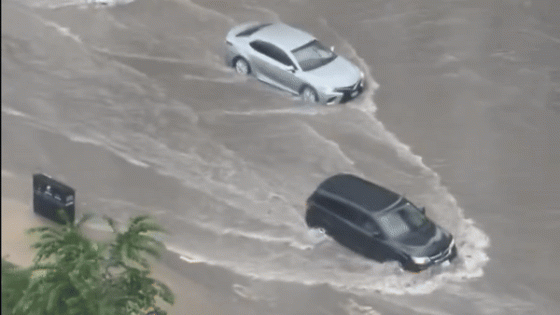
(373, 245)
(274, 66)
(384, 250)
(337, 220)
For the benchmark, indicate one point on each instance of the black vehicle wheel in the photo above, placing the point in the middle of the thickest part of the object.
(309, 95)
(242, 66)
(409, 265)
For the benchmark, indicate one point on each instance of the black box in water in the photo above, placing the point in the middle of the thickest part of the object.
(50, 195)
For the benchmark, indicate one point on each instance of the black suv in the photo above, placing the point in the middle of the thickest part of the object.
(378, 223)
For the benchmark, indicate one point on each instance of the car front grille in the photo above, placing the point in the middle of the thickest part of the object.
(350, 88)
(347, 91)
(441, 256)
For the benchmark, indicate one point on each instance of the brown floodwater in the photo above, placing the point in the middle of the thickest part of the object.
(131, 103)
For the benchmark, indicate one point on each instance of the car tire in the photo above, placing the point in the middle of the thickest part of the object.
(410, 266)
(309, 95)
(241, 66)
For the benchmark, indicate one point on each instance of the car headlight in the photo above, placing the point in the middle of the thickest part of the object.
(420, 260)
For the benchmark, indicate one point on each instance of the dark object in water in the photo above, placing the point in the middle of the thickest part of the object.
(378, 223)
(50, 196)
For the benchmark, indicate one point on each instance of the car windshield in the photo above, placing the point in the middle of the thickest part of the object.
(313, 55)
(400, 222)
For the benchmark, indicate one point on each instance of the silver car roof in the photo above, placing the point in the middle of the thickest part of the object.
(283, 36)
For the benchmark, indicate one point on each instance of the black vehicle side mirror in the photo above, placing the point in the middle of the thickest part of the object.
(423, 210)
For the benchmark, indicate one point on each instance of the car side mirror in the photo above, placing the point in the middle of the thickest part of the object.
(423, 210)
(332, 48)
(291, 68)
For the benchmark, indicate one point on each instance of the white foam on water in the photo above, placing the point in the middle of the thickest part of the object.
(13, 112)
(205, 12)
(186, 255)
(145, 57)
(225, 80)
(254, 294)
(351, 307)
(260, 236)
(94, 138)
(329, 143)
(64, 31)
(58, 4)
(305, 110)
(7, 174)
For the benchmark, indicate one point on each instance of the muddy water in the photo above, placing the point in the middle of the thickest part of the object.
(131, 104)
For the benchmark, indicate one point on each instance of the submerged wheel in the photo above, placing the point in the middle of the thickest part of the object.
(242, 66)
(309, 95)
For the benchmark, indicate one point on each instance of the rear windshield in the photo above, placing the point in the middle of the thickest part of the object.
(250, 31)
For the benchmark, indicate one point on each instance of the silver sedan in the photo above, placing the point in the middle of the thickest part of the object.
(293, 60)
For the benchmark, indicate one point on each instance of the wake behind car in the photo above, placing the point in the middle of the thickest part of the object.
(378, 223)
(293, 60)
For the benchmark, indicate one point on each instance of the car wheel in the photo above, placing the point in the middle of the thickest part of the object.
(242, 66)
(309, 95)
(409, 266)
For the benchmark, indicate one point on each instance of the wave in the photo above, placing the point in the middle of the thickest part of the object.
(58, 4)
(307, 110)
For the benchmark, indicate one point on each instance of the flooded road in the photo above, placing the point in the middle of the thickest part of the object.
(132, 104)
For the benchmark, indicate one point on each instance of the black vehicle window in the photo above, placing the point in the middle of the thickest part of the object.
(369, 225)
(260, 47)
(401, 221)
(271, 51)
(346, 212)
(413, 216)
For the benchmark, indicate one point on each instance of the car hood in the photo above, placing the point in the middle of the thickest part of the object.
(336, 74)
(427, 241)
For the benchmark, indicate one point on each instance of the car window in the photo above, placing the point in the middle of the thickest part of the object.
(348, 213)
(403, 220)
(271, 51)
(393, 224)
(368, 225)
(413, 216)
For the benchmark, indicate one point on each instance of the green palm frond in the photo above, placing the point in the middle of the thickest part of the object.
(72, 274)
(111, 223)
(83, 219)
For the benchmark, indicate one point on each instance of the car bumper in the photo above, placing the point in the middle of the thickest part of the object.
(444, 258)
(447, 257)
(342, 96)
